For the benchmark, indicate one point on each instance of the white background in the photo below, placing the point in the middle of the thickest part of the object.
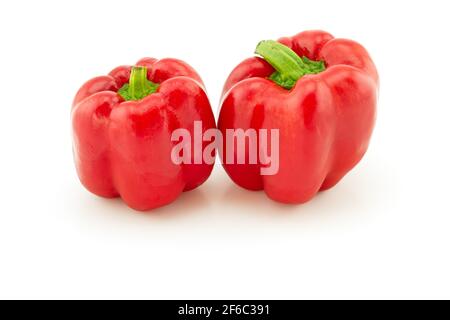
(383, 232)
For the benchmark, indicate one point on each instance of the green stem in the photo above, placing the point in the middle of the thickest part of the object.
(139, 86)
(288, 65)
(138, 78)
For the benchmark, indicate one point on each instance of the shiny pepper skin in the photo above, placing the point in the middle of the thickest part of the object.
(123, 148)
(325, 121)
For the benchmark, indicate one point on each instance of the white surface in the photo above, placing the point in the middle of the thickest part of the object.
(383, 232)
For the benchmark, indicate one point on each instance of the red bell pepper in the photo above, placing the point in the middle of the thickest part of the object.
(122, 125)
(320, 93)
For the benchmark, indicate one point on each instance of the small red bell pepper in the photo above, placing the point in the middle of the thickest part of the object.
(122, 125)
(320, 93)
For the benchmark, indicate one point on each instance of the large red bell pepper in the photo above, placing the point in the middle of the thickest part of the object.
(122, 125)
(320, 93)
